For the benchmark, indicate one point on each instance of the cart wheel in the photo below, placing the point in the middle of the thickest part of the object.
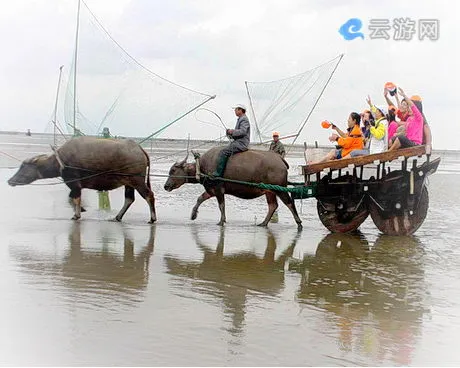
(341, 221)
(404, 224)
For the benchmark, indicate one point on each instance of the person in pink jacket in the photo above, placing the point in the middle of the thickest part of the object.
(414, 127)
(392, 124)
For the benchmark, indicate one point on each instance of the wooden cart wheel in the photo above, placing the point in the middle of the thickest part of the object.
(405, 223)
(339, 220)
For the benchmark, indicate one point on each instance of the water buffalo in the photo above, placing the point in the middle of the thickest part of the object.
(93, 163)
(250, 166)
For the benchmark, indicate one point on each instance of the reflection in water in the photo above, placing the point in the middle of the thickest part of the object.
(234, 276)
(375, 293)
(129, 272)
(97, 273)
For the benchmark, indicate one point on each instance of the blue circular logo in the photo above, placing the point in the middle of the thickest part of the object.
(349, 30)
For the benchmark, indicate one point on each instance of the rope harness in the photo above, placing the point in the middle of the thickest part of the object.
(298, 189)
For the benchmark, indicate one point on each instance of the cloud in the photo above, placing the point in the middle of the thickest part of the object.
(214, 46)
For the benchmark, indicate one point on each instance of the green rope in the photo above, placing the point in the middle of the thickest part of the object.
(300, 190)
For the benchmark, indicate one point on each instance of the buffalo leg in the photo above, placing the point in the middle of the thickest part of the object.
(75, 194)
(147, 194)
(129, 200)
(82, 209)
(221, 200)
(205, 196)
(289, 202)
(272, 206)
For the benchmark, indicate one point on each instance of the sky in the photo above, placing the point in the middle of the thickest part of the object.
(213, 46)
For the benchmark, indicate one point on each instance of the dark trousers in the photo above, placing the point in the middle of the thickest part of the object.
(224, 155)
(231, 149)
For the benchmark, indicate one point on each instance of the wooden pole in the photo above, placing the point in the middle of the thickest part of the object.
(252, 109)
(319, 97)
(56, 104)
(280, 138)
(75, 71)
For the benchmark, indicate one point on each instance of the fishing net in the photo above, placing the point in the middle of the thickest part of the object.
(114, 90)
(285, 104)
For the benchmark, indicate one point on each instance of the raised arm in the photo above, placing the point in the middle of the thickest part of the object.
(418, 115)
(369, 101)
(338, 130)
(397, 101)
(385, 94)
(371, 106)
(404, 96)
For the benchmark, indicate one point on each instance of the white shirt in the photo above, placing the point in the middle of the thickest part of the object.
(379, 145)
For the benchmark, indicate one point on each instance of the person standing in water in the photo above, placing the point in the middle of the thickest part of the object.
(277, 147)
(104, 199)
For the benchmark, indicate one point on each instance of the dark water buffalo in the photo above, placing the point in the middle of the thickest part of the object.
(251, 166)
(93, 163)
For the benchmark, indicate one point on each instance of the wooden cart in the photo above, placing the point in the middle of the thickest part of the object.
(396, 199)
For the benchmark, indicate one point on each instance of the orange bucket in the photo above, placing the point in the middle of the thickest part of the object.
(390, 87)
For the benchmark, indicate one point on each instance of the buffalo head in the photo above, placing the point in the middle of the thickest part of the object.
(29, 171)
(177, 175)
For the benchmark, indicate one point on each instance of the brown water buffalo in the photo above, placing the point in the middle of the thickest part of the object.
(93, 163)
(250, 166)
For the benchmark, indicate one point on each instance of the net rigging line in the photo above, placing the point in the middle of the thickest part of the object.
(283, 103)
(135, 60)
(117, 91)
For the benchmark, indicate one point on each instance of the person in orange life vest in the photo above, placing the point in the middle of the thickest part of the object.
(346, 142)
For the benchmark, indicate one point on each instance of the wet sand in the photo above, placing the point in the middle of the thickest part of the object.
(184, 292)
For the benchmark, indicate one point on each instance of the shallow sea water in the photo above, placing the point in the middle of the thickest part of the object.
(184, 292)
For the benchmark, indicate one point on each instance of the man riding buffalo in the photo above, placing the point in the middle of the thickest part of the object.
(241, 137)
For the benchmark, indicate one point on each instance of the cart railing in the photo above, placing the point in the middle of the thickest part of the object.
(364, 160)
